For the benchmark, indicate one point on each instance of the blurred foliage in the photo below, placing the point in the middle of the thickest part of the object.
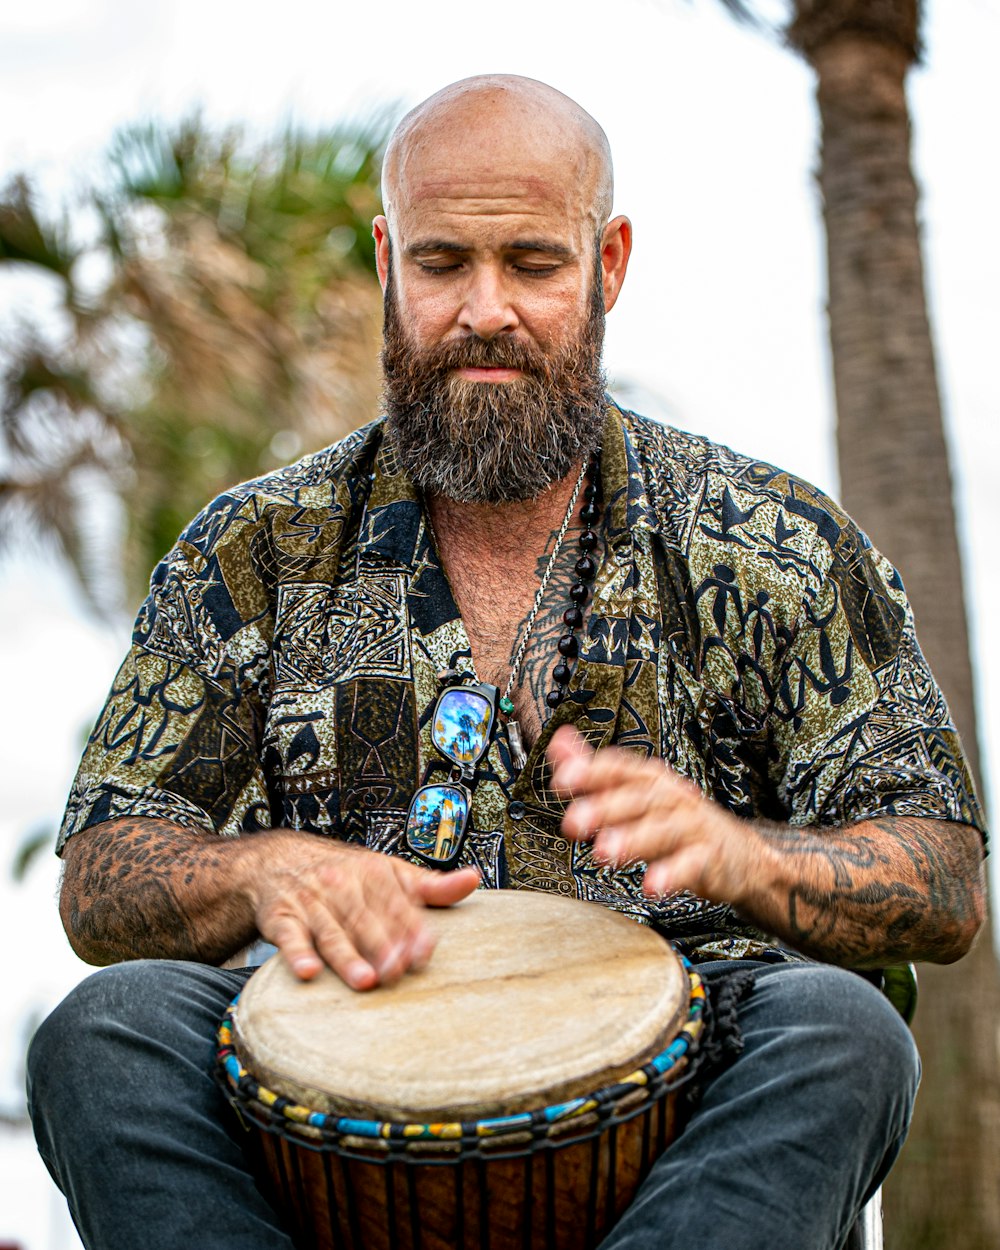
(32, 845)
(223, 317)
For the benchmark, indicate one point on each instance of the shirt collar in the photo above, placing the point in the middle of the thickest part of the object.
(623, 481)
(391, 527)
(392, 524)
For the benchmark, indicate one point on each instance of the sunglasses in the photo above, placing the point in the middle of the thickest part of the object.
(461, 730)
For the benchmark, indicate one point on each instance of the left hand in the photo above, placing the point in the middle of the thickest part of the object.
(640, 809)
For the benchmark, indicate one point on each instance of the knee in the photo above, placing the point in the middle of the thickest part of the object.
(66, 1039)
(862, 1014)
(68, 1075)
(98, 1028)
(854, 1028)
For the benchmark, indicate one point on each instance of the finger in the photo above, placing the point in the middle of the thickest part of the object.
(436, 889)
(568, 753)
(684, 871)
(584, 773)
(339, 952)
(442, 889)
(391, 895)
(294, 939)
(618, 847)
(376, 917)
(656, 793)
(566, 745)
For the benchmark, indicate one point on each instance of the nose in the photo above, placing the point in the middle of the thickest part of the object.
(486, 309)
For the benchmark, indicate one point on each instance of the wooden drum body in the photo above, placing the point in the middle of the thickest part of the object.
(510, 1096)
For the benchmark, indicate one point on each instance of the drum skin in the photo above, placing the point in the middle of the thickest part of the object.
(528, 1001)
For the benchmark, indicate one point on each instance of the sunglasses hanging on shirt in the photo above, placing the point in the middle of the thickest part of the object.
(461, 730)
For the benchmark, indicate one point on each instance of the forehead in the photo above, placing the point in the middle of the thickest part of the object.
(490, 184)
(490, 210)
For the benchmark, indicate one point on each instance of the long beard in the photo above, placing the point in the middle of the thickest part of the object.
(492, 442)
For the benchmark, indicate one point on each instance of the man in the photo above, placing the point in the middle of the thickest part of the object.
(638, 596)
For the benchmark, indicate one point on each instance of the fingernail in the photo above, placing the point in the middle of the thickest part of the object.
(610, 846)
(657, 881)
(359, 974)
(569, 773)
(423, 946)
(581, 816)
(391, 959)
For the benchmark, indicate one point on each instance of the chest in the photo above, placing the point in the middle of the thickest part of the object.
(495, 597)
(345, 734)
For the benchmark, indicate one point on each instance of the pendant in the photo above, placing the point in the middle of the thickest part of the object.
(506, 705)
(518, 754)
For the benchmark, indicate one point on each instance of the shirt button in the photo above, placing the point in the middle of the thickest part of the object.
(517, 810)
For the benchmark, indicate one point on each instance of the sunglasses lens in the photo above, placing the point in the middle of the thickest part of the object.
(462, 722)
(436, 821)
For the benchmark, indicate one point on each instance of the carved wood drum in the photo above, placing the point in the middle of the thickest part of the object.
(510, 1096)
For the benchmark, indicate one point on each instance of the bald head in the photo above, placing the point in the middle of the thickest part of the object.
(494, 123)
(499, 263)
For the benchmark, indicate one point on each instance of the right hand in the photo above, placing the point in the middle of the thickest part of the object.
(360, 912)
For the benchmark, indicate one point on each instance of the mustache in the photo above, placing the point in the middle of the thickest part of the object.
(501, 352)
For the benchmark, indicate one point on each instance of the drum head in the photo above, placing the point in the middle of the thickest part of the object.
(528, 999)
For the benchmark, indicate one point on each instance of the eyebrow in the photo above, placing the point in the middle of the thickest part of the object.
(424, 247)
(541, 245)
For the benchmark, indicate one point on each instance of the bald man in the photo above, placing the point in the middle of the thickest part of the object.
(708, 711)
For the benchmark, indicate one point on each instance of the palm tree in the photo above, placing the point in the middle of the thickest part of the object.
(896, 481)
(237, 325)
(59, 427)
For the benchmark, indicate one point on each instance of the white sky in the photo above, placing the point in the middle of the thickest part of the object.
(720, 326)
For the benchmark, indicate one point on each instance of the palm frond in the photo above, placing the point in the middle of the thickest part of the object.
(25, 238)
(817, 23)
(31, 846)
(742, 11)
(37, 370)
(241, 315)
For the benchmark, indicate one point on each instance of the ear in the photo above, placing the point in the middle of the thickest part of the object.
(616, 247)
(380, 233)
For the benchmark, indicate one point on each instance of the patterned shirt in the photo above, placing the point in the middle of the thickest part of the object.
(285, 666)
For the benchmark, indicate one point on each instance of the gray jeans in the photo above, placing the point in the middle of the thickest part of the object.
(783, 1150)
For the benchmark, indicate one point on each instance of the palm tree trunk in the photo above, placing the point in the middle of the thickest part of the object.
(896, 482)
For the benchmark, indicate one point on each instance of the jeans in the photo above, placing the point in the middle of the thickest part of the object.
(784, 1148)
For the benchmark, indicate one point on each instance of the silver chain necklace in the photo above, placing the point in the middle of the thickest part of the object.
(519, 756)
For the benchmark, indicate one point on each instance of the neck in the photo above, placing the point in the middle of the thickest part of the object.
(524, 524)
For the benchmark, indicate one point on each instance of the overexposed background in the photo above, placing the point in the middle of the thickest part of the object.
(720, 328)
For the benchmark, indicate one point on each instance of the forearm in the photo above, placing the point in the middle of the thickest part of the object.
(148, 889)
(137, 888)
(880, 892)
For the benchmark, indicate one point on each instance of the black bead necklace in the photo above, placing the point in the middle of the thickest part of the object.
(568, 645)
(586, 570)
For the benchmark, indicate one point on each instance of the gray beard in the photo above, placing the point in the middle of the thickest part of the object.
(492, 442)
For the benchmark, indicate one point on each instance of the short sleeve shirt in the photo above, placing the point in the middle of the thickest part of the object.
(285, 666)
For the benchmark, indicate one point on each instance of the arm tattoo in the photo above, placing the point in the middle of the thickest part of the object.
(138, 888)
(884, 891)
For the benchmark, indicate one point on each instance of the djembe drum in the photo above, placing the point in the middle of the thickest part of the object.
(510, 1096)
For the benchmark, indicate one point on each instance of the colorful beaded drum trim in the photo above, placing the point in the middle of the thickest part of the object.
(333, 1128)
